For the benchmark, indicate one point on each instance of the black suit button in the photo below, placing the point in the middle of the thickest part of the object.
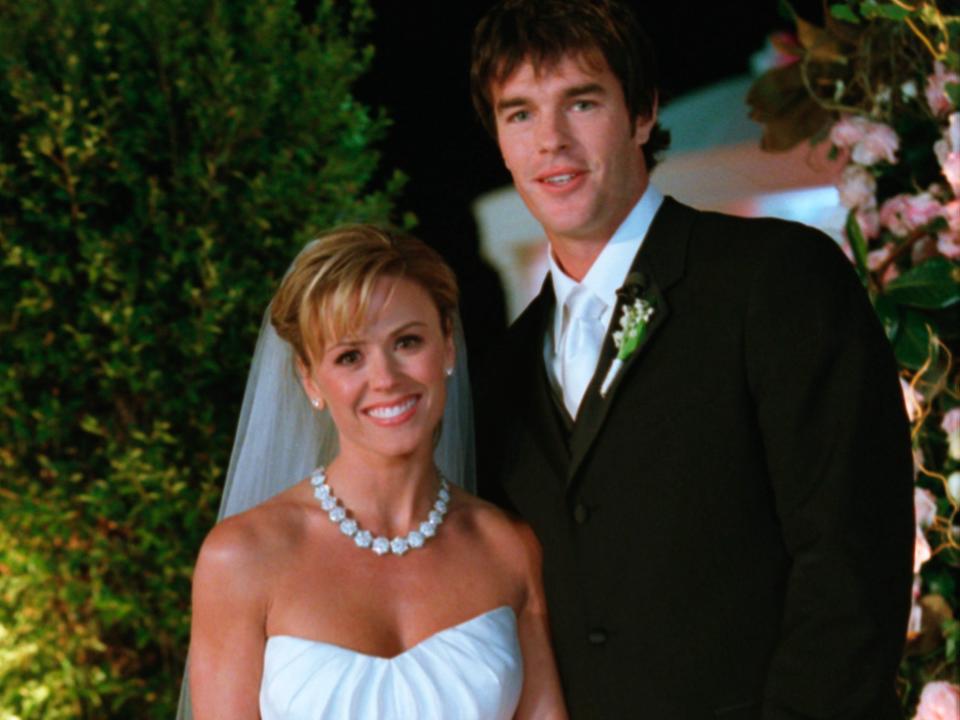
(581, 514)
(597, 637)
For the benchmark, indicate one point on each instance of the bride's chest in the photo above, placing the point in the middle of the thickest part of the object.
(380, 605)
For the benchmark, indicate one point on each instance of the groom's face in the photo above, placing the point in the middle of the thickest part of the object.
(568, 141)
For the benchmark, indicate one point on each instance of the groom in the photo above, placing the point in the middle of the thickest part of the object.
(725, 510)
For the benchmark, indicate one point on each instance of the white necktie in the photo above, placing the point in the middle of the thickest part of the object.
(580, 345)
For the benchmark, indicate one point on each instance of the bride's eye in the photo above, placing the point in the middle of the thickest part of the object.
(408, 342)
(348, 357)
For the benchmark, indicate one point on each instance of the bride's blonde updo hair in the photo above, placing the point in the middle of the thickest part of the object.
(326, 294)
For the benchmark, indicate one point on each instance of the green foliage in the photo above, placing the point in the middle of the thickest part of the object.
(845, 13)
(932, 285)
(161, 161)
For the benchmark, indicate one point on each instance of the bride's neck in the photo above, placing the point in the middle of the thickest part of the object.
(391, 494)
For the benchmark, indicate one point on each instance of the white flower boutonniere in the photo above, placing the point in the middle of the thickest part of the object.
(633, 328)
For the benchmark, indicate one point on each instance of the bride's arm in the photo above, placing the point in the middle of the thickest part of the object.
(227, 633)
(542, 697)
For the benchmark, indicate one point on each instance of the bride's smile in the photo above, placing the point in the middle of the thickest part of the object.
(384, 381)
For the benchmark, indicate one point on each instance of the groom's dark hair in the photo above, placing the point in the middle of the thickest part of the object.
(545, 31)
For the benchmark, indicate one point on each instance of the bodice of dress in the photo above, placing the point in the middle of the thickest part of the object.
(470, 670)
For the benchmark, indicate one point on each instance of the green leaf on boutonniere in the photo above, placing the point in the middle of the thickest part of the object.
(932, 285)
(633, 327)
(631, 342)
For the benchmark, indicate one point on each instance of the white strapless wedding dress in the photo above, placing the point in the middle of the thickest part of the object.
(473, 670)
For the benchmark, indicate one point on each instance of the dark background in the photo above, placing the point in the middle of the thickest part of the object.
(420, 76)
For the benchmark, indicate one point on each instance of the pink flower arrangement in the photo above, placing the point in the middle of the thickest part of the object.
(939, 701)
(936, 89)
(951, 426)
(924, 506)
(869, 221)
(902, 214)
(947, 151)
(921, 551)
(876, 258)
(857, 187)
(948, 241)
(869, 142)
(871, 96)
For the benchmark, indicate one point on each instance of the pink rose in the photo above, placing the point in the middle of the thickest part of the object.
(890, 274)
(892, 214)
(869, 221)
(879, 143)
(951, 211)
(924, 507)
(904, 213)
(939, 701)
(921, 551)
(936, 88)
(876, 258)
(948, 241)
(848, 131)
(951, 426)
(870, 141)
(951, 171)
(947, 151)
(948, 245)
(857, 187)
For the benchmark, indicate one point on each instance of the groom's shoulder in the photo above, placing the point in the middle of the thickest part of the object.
(769, 238)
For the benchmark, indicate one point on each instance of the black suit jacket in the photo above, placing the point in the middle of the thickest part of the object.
(729, 532)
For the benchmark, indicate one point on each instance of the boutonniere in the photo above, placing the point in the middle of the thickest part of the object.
(634, 318)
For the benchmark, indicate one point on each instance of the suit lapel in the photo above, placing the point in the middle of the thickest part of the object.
(535, 396)
(660, 261)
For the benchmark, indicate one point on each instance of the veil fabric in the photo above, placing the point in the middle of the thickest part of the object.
(281, 438)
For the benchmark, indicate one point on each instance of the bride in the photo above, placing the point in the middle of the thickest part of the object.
(374, 587)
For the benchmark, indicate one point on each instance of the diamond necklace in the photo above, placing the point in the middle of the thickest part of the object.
(364, 538)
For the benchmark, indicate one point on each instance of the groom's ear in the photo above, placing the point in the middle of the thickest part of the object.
(643, 124)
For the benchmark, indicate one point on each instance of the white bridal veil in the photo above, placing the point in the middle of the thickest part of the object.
(281, 438)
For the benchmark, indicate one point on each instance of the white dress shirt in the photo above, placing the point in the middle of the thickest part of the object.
(604, 277)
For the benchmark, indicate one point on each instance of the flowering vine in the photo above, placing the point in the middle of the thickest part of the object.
(880, 82)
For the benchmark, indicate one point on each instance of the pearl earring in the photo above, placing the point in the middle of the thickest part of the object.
(317, 403)
(449, 371)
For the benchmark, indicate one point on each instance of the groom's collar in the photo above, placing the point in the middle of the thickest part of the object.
(609, 270)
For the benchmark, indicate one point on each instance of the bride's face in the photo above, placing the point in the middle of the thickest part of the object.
(385, 383)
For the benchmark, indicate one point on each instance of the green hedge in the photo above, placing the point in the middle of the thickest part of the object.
(161, 161)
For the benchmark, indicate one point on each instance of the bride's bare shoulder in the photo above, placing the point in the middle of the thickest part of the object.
(252, 540)
(504, 532)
